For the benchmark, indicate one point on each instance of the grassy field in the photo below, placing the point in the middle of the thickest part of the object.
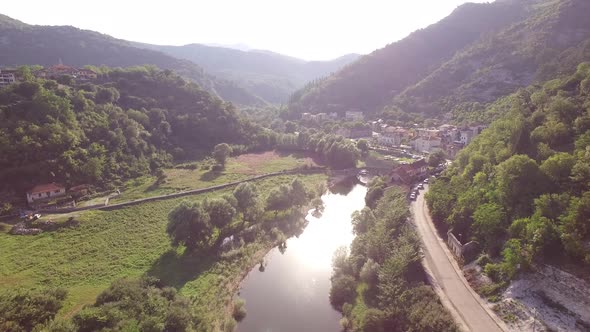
(238, 168)
(128, 242)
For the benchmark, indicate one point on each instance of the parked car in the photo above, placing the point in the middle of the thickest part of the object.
(426, 180)
(416, 192)
(412, 197)
(420, 186)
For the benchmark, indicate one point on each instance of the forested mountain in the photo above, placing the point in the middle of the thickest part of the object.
(123, 124)
(271, 76)
(24, 44)
(522, 188)
(472, 57)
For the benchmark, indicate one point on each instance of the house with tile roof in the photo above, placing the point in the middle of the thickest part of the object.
(409, 172)
(45, 191)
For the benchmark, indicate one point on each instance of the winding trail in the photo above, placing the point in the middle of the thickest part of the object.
(466, 306)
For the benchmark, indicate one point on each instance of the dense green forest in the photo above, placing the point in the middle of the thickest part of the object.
(522, 188)
(381, 285)
(268, 75)
(469, 59)
(25, 44)
(127, 123)
(124, 124)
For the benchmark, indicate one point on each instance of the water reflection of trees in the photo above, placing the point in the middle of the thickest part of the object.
(345, 186)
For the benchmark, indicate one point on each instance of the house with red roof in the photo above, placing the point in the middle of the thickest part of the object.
(409, 172)
(45, 191)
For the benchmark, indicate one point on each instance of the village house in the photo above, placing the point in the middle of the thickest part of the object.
(7, 77)
(59, 70)
(354, 116)
(408, 173)
(45, 192)
(426, 144)
(392, 136)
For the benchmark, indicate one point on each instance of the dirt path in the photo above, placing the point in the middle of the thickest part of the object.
(448, 279)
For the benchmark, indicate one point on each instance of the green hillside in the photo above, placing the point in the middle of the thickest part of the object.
(522, 188)
(124, 124)
(273, 77)
(24, 44)
(472, 57)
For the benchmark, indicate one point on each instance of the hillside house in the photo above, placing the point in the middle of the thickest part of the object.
(7, 77)
(392, 136)
(409, 172)
(426, 144)
(59, 70)
(45, 192)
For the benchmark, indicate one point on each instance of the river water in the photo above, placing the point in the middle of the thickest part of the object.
(291, 294)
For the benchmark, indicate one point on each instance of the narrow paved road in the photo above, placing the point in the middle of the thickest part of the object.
(453, 286)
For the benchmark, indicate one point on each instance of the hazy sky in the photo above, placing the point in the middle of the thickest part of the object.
(308, 29)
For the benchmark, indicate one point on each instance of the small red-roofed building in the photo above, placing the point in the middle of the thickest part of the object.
(45, 191)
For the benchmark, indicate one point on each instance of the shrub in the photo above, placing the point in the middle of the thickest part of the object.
(22, 310)
(343, 290)
(239, 312)
(494, 271)
(230, 325)
(483, 260)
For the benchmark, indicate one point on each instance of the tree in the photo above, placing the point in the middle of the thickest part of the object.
(22, 310)
(279, 198)
(489, 224)
(298, 193)
(559, 167)
(247, 201)
(343, 290)
(246, 195)
(188, 224)
(436, 158)
(362, 221)
(221, 152)
(220, 211)
(363, 145)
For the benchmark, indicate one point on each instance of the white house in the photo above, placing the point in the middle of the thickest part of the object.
(426, 144)
(45, 191)
(7, 77)
(391, 136)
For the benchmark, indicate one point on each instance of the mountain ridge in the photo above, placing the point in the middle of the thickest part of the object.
(25, 44)
(270, 75)
(437, 70)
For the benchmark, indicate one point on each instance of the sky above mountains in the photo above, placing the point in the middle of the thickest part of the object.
(307, 29)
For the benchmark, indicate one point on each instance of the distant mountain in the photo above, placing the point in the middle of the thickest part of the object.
(272, 76)
(47, 45)
(478, 53)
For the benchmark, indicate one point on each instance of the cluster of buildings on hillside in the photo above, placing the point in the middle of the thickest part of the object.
(427, 140)
(447, 137)
(11, 76)
(348, 116)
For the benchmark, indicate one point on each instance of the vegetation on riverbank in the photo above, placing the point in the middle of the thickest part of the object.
(380, 285)
(522, 188)
(132, 242)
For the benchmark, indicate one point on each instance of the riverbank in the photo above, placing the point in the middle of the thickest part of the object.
(130, 242)
(235, 285)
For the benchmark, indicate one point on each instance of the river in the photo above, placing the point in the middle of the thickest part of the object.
(291, 294)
